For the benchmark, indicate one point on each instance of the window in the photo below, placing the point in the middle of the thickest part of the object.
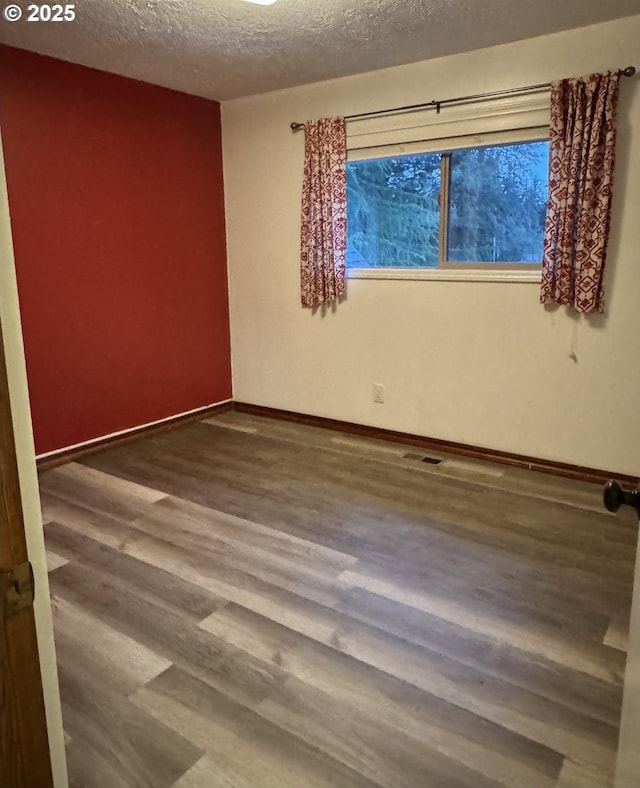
(467, 207)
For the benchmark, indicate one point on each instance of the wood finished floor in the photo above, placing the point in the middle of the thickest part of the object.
(247, 603)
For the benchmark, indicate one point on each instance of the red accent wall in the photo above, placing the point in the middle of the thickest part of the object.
(117, 212)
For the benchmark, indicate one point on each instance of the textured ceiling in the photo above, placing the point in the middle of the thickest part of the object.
(223, 49)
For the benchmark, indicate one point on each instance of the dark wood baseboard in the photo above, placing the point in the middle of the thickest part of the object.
(566, 470)
(74, 453)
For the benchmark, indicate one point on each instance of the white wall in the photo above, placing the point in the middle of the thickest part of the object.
(25, 454)
(479, 363)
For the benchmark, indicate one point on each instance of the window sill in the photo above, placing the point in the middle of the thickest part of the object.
(446, 275)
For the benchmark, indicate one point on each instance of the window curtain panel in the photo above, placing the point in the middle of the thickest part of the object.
(323, 238)
(582, 138)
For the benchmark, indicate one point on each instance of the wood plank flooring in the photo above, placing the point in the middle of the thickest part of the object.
(247, 603)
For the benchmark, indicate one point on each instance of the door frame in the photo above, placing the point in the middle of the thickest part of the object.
(28, 482)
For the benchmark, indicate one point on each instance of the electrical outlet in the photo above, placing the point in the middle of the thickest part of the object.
(378, 392)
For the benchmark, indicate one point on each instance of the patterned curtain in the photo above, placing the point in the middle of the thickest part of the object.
(323, 239)
(582, 138)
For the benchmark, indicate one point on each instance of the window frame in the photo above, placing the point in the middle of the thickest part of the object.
(498, 122)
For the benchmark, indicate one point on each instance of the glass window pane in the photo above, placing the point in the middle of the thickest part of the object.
(392, 211)
(497, 203)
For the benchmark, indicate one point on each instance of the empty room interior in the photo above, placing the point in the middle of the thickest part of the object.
(319, 328)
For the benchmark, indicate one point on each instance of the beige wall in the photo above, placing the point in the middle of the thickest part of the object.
(475, 362)
(17, 378)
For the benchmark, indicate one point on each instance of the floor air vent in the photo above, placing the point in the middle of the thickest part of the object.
(422, 458)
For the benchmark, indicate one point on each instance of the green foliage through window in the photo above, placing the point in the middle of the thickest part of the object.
(495, 213)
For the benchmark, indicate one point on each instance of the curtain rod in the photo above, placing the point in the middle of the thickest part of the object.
(629, 71)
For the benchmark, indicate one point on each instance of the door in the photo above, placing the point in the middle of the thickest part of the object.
(25, 745)
(24, 759)
(628, 763)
